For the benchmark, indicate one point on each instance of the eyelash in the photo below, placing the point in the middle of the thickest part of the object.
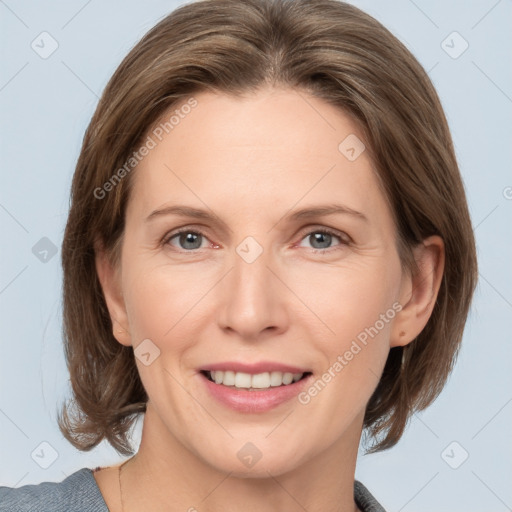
(324, 231)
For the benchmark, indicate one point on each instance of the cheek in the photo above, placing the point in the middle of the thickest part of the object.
(354, 300)
(166, 304)
(359, 306)
(366, 315)
(354, 355)
(154, 303)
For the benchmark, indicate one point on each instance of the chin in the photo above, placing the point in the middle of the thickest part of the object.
(274, 464)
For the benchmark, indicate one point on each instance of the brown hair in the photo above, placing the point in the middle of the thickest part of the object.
(326, 48)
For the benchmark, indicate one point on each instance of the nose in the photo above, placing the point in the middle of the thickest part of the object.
(253, 299)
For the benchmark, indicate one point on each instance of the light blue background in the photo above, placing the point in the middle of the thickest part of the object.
(46, 105)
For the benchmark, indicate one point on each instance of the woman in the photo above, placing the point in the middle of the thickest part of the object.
(268, 250)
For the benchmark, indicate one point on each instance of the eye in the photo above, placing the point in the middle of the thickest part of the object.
(187, 239)
(321, 239)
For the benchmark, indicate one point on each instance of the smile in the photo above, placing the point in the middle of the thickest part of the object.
(253, 390)
(249, 381)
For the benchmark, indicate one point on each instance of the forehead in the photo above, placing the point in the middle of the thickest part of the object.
(274, 145)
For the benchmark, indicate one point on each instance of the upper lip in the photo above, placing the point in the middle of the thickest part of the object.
(253, 368)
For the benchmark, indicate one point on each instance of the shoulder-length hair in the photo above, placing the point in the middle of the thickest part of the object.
(328, 49)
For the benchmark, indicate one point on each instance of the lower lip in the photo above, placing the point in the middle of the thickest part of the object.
(243, 400)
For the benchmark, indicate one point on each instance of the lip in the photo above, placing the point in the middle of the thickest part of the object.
(254, 368)
(245, 401)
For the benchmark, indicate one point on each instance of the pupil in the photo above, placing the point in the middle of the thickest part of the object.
(318, 237)
(190, 238)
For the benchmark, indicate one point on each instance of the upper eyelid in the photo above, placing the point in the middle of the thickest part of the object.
(339, 234)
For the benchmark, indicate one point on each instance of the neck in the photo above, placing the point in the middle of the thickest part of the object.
(165, 475)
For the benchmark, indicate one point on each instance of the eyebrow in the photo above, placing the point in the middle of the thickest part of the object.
(303, 213)
(331, 209)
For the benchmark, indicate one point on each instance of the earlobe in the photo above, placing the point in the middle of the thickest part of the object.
(110, 281)
(419, 292)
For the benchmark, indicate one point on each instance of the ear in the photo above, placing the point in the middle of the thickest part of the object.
(110, 280)
(419, 292)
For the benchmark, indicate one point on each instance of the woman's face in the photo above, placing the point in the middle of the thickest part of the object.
(258, 281)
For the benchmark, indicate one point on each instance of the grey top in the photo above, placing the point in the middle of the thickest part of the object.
(80, 493)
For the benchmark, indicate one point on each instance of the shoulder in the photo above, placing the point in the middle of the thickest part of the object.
(77, 493)
(365, 500)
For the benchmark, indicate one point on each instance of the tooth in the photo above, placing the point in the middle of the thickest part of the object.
(242, 380)
(287, 378)
(276, 378)
(228, 378)
(261, 380)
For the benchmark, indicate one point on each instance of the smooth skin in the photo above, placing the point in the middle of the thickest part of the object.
(251, 163)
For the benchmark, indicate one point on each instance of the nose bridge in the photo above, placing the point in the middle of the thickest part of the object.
(252, 300)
